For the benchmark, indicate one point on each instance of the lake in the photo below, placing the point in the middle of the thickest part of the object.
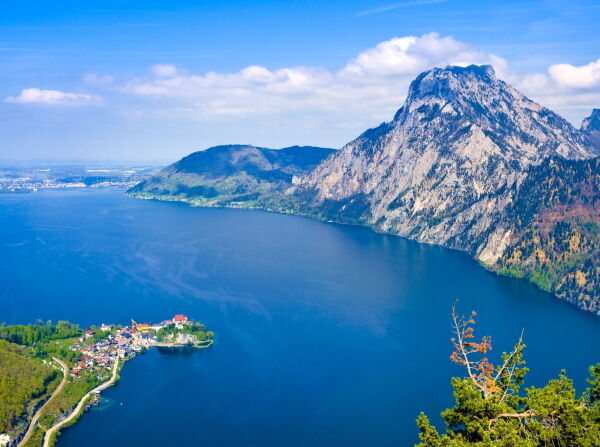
(325, 334)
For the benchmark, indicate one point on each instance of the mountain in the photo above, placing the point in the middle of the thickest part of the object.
(452, 169)
(591, 129)
(232, 175)
(442, 171)
(469, 163)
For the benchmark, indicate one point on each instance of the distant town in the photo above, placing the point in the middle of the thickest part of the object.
(32, 179)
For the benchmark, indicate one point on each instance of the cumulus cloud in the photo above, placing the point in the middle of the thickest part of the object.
(372, 85)
(53, 98)
(411, 55)
(366, 90)
(584, 76)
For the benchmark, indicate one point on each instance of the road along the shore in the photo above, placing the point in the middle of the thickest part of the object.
(81, 403)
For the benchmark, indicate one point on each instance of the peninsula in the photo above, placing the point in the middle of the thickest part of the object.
(51, 374)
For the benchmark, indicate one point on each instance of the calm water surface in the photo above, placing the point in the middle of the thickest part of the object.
(326, 334)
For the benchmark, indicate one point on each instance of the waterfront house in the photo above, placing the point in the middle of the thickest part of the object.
(180, 318)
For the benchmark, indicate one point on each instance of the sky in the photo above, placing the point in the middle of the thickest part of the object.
(152, 81)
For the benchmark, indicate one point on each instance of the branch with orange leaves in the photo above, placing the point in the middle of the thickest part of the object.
(479, 369)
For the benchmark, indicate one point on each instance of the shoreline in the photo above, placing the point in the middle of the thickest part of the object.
(315, 216)
(53, 432)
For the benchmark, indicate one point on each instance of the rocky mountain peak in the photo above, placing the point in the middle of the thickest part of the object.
(592, 122)
(472, 91)
(453, 100)
(449, 82)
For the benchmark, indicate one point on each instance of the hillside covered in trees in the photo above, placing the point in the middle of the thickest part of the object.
(26, 377)
(23, 379)
(233, 175)
(555, 221)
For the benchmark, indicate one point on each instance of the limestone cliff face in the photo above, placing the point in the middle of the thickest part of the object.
(445, 169)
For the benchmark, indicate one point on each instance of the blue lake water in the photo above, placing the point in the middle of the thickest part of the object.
(326, 334)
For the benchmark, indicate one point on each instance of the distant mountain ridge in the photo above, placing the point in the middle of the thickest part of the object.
(450, 169)
(231, 175)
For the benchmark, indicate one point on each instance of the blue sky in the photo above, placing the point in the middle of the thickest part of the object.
(155, 80)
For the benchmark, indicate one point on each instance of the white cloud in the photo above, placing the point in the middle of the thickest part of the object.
(572, 91)
(366, 90)
(52, 97)
(370, 87)
(584, 76)
(410, 55)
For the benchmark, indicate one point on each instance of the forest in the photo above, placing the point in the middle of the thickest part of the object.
(22, 380)
(25, 372)
(41, 332)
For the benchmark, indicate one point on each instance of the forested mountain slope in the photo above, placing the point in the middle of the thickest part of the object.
(22, 379)
(555, 221)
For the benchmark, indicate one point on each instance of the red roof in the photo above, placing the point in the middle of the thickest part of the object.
(180, 318)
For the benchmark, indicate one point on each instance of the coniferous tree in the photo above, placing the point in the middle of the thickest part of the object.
(491, 410)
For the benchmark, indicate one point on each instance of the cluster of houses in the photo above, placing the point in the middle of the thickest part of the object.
(178, 320)
(123, 342)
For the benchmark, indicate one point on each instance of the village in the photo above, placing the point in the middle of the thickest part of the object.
(102, 347)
